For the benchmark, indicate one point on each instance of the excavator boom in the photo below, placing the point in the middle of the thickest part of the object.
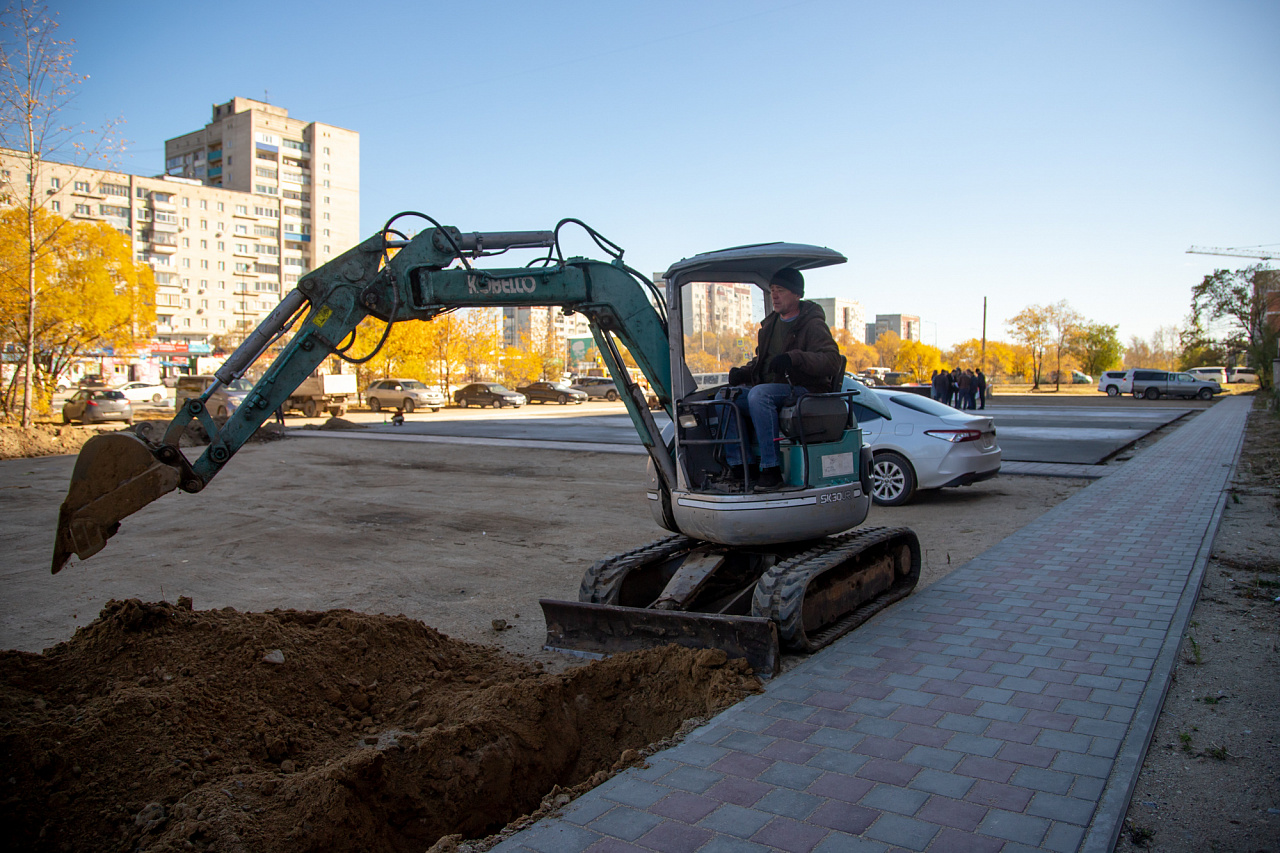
(392, 280)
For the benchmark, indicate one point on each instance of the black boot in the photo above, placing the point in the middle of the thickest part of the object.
(770, 479)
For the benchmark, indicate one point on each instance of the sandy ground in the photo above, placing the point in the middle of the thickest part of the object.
(454, 536)
(465, 536)
(1211, 779)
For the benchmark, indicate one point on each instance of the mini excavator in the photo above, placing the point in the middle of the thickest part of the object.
(747, 571)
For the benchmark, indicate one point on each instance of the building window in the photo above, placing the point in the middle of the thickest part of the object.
(186, 202)
(204, 205)
(82, 210)
(186, 262)
(204, 264)
(204, 244)
(220, 207)
(222, 245)
(263, 172)
(56, 183)
(204, 225)
(55, 206)
(241, 228)
(242, 209)
(326, 186)
(326, 216)
(82, 186)
(186, 223)
(222, 266)
(186, 242)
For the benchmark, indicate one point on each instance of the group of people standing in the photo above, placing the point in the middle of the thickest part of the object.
(961, 389)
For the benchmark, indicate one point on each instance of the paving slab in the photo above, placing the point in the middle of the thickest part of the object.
(1006, 707)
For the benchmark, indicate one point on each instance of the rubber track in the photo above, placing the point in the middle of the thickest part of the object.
(780, 592)
(601, 582)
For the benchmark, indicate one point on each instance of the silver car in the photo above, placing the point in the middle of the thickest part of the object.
(97, 405)
(407, 394)
(221, 403)
(926, 445)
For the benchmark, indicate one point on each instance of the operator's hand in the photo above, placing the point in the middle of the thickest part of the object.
(739, 376)
(780, 363)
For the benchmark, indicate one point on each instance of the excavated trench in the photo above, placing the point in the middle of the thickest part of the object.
(161, 727)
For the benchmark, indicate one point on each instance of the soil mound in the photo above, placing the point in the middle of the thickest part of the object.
(43, 440)
(159, 727)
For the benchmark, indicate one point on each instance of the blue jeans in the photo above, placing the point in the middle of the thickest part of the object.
(761, 404)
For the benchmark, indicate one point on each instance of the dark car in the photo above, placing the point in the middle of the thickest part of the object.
(95, 405)
(552, 392)
(598, 386)
(488, 394)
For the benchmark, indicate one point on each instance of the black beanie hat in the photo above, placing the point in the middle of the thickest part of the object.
(789, 278)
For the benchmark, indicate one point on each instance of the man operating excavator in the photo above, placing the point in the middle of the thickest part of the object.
(795, 354)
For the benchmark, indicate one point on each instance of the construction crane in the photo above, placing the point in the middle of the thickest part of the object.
(1262, 254)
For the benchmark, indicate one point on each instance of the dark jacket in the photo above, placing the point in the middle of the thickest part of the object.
(815, 358)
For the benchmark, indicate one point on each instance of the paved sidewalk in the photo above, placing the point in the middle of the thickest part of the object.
(1005, 708)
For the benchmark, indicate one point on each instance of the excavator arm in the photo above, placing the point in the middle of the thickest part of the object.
(394, 280)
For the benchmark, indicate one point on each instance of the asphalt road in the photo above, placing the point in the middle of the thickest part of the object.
(1082, 430)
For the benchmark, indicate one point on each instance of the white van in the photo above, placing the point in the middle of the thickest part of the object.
(1215, 374)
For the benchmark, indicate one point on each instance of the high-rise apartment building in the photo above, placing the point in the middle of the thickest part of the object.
(531, 323)
(905, 326)
(246, 207)
(844, 314)
(717, 307)
(304, 178)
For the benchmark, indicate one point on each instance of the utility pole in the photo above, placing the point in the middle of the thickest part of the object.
(984, 337)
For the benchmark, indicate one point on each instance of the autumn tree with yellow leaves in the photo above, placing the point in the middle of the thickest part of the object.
(89, 293)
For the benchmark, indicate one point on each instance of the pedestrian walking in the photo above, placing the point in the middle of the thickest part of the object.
(982, 389)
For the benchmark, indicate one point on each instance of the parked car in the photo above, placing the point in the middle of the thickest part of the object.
(552, 392)
(407, 394)
(92, 380)
(1073, 378)
(1242, 374)
(1217, 374)
(142, 392)
(598, 387)
(1116, 382)
(926, 445)
(96, 405)
(488, 394)
(1153, 384)
(221, 403)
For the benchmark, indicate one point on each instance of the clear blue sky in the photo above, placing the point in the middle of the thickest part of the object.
(1023, 151)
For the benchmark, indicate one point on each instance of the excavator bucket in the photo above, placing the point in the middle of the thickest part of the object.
(116, 474)
(604, 629)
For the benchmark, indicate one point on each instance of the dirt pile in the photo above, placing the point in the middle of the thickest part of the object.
(160, 727)
(42, 440)
(53, 440)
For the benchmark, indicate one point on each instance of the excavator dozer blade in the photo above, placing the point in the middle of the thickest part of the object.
(116, 474)
(574, 626)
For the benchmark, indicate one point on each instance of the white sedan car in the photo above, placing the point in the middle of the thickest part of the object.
(926, 445)
(144, 392)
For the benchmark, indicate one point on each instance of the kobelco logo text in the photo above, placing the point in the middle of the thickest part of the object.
(523, 284)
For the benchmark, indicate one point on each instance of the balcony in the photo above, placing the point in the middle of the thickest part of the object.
(214, 171)
(297, 237)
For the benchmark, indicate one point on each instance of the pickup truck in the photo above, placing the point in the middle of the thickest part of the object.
(1153, 384)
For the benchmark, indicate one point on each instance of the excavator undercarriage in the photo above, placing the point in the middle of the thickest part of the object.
(751, 602)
